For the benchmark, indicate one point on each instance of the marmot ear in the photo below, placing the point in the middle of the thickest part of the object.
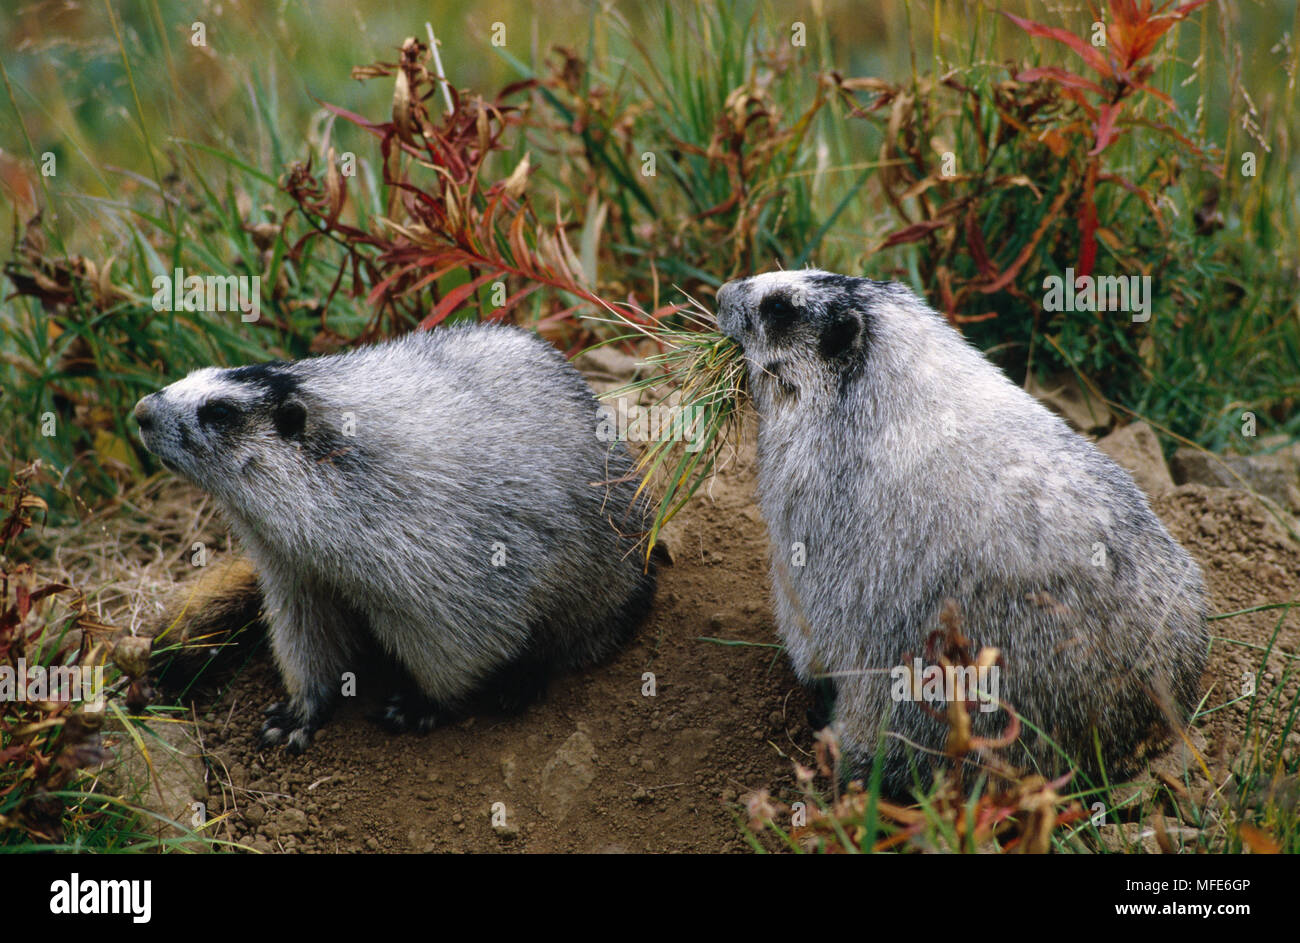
(840, 335)
(289, 418)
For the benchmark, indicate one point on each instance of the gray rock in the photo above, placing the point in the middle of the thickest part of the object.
(567, 774)
(509, 769)
(609, 362)
(1065, 396)
(1276, 476)
(1137, 450)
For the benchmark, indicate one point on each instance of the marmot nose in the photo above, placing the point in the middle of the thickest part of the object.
(724, 292)
(144, 413)
(728, 321)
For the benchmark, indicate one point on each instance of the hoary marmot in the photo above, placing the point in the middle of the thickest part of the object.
(898, 470)
(444, 494)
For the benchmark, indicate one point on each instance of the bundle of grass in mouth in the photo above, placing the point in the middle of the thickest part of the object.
(704, 372)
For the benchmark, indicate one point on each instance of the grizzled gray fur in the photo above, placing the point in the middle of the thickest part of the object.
(444, 494)
(912, 472)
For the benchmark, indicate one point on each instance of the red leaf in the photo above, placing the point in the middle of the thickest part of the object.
(975, 242)
(376, 129)
(1088, 224)
(558, 317)
(380, 288)
(1061, 77)
(1090, 55)
(499, 313)
(1027, 250)
(1076, 96)
(1135, 28)
(1105, 127)
(660, 312)
(1137, 192)
(453, 299)
(434, 276)
(1158, 94)
(915, 232)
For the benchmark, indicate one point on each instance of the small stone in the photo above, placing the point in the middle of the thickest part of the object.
(1136, 449)
(293, 822)
(509, 769)
(568, 773)
(1076, 405)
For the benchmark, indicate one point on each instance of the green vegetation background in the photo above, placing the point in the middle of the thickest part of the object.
(168, 153)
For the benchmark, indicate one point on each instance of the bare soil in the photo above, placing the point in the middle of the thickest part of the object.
(600, 765)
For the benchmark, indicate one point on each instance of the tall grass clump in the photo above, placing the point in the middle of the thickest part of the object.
(1001, 176)
(71, 688)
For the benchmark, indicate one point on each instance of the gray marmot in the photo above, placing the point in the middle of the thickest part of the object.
(899, 469)
(444, 494)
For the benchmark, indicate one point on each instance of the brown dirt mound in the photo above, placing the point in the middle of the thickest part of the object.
(1247, 560)
(596, 766)
(599, 766)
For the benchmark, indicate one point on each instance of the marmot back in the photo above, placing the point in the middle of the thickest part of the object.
(913, 472)
(445, 492)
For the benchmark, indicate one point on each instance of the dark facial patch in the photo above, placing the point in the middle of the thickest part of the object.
(845, 335)
(273, 378)
(290, 418)
(839, 334)
(276, 385)
(778, 313)
(219, 413)
(831, 283)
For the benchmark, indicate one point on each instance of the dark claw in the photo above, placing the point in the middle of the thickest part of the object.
(407, 712)
(283, 726)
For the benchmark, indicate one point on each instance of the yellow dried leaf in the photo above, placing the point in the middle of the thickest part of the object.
(518, 179)
(483, 129)
(402, 108)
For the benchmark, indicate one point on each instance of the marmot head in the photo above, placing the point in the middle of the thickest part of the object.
(805, 334)
(219, 425)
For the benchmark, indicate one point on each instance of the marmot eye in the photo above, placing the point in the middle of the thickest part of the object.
(218, 412)
(776, 309)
